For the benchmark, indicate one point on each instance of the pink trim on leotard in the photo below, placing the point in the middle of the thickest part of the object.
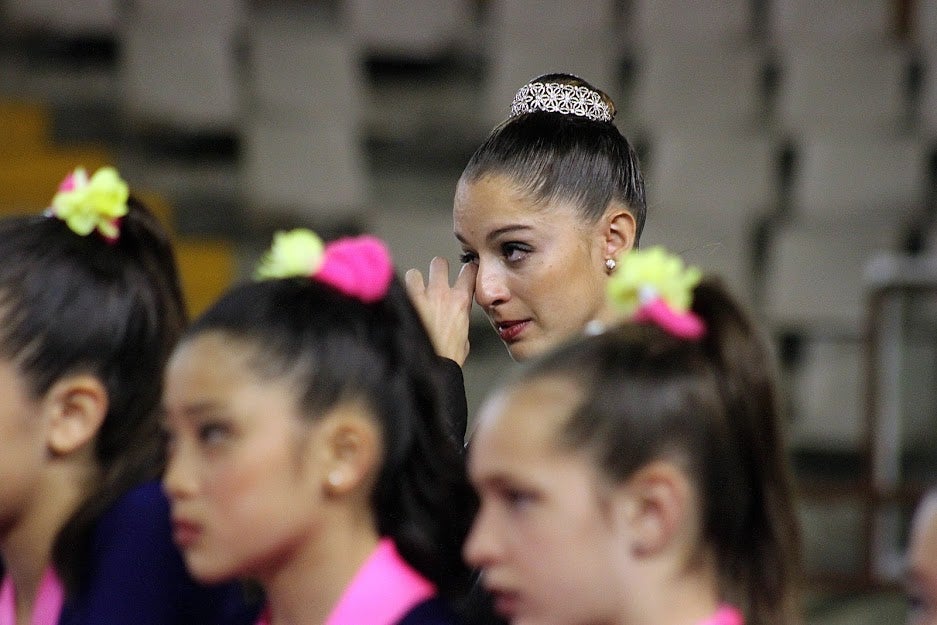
(725, 615)
(383, 590)
(49, 599)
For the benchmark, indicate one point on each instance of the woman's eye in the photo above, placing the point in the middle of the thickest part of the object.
(213, 433)
(518, 499)
(514, 252)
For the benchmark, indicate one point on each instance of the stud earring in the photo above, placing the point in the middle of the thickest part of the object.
(335, 479)
(610, 264)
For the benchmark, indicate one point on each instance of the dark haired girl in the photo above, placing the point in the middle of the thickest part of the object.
(90, 308)
(637, 476)
(309, 445)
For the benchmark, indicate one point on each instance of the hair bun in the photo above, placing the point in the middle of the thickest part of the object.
(561, 93)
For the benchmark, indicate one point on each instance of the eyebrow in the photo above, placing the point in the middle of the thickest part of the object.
(191, 411)
(494, 234)
(501, 480)
(498, 481)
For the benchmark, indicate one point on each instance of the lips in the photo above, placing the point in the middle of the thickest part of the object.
(510, 331)
(185, 533)
(505, 603)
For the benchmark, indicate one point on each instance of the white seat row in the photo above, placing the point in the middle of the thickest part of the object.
(303, 151)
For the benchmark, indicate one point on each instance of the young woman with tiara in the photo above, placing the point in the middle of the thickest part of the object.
(543, 211)
(637, 475)
(90, 307)
(309, 446)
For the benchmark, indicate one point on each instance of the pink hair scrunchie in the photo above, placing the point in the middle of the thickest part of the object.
(359, 267)
(683, 325)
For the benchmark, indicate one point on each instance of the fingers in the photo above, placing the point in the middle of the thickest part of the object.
(413, 280)
(439, 279)
(438, 273)
(465, 282)
(444, 310)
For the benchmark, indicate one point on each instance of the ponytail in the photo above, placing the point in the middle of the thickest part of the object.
(760, 563)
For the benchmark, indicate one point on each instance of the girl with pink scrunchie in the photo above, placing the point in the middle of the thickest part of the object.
(637, 475)
(308, 445)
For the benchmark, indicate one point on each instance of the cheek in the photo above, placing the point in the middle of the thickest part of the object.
(572, 272)
(19, 478)
(238, 480)
(547, 286)
(242, 486)
(22, 459)
(541, 543)
(574, 539)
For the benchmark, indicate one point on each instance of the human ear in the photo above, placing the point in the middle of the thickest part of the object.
(619, 229)
(655, 506)
(75, 407)
(352, 449)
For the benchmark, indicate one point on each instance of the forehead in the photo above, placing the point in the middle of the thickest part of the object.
(499, 199)
(211, 360)
(521, 423)
(223, 350)
(213, 370)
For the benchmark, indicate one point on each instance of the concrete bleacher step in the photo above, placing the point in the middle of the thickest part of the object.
(28, 184)
(24, 127)
(161, 208)
(207, 267)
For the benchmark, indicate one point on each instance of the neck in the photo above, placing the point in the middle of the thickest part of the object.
(305, 589)
(606, 316)
(26, 542)
(680, 596)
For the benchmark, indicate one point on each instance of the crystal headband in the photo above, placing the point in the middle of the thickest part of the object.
(555, 97)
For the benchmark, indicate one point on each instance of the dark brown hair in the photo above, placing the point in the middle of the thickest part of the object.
(712, 403)
(337, 348)
(78, 304)
(556, 156)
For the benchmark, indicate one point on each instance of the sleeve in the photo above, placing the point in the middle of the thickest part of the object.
(431, 612)
(138, 575)
(476, 607)
(453, 386)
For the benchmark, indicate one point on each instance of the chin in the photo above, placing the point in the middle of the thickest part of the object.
(518, 352)
(206, 571)
(525, 350)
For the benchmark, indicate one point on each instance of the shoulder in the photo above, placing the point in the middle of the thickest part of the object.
(144, 504)
(433, 611)
(138, 519)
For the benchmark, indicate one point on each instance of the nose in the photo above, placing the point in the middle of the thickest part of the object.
(179, 478)
(481, 547)
(490, 285)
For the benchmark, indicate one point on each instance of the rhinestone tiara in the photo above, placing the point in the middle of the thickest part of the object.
(555, 97)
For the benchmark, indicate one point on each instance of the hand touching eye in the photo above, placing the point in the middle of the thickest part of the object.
(445, 309)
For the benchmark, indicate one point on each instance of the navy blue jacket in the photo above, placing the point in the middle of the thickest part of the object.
(430, 612)
(138, 576)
